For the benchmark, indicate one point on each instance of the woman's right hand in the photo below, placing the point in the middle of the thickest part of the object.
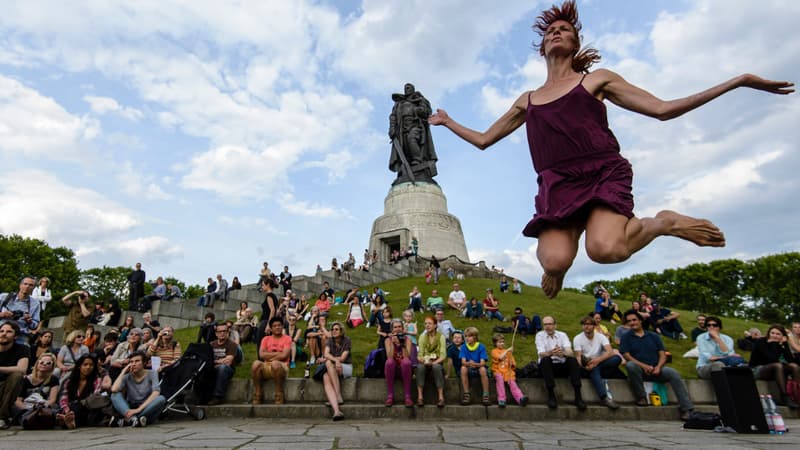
(761, 84)
(440, 117)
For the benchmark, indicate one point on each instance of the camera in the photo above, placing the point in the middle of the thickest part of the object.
(17, 314)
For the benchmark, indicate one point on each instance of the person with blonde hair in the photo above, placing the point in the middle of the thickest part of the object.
(40, 387)
(585, 185)
(431, 357)
(69, 353)
(474, 360)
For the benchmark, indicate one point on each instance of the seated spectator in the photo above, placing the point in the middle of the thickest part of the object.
(794, 341)
(457, 299)
(296, 335)
(665, 322)
(504, 369)
(72, 349)
(159, 292)
(78, 312)
(303, 308)
(173, 292)
(351, 295)
(39, 387)
(771, 360)
(355, 313)
(606, 307)
(474, 360)
(42, 293)
(454, 353)
(91, 339)
(444, 326)
(147, 338)
(224, 357)
(13, 366)
(98, 314)
(235, 284)
(621, 330)
(149, 323)
(377, 305)
(415, 300)
(136, 394)
(126, 327)
(645, 355)
(492, 306)
(434, 302)
(113, 314)
(597, 360)
(121, 357)
(749, 339)
(473, 309)
(323, 303)
(557, 359)
(599, 327)
(104, 353)
(700, 328)
(516, 287)
(385, 326)
(274, 353)
(431, 357)
(313, 336)
(335, 267)
(208, 297)
(245, 324)
(643, 311)
(715, 350)
(409, 326)
(338, 364)
(165, 348)
(328, 290)
(206, 332)
(42, 345)
(503, 284)
(523, 324)
(398, 359)
(82, 382)
(451, 273)
(265, 274)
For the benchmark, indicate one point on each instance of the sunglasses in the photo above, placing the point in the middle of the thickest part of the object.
(46, 363)
(712, 324)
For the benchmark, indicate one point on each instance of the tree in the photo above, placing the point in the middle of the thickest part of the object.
(20, 256)
(106, 283)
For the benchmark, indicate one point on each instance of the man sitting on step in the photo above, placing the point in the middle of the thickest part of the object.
(275, 351)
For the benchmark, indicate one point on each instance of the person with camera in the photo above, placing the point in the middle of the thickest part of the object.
(164, 347)
(398, 359)
(136, 394)
(20, 308)
(78, 311)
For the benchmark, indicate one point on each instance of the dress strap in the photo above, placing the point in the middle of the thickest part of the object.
(584, 76)
(529, 97)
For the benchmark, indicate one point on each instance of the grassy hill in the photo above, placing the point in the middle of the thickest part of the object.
(567, 308)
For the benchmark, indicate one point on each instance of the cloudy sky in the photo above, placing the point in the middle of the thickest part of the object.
(207, 136)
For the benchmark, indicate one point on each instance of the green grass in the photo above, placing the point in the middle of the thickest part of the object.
(567, 308)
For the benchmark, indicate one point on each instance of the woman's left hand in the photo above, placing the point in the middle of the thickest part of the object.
(775, 87)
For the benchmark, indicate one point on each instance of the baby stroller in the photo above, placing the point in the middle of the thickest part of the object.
(186, 375)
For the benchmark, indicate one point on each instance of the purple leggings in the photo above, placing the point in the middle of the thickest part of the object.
(390, 369)
(501, 389)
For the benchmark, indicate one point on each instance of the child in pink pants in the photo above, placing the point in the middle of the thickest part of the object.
(504, 370)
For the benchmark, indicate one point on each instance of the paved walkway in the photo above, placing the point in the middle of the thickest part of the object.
(283, 434)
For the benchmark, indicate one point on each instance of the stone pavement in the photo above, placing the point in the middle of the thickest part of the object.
(384, 433)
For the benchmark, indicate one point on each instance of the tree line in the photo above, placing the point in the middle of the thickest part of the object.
(21, 257)
(764, 289)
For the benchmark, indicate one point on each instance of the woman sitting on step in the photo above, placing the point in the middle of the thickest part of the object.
(398, 359)
(338, 363)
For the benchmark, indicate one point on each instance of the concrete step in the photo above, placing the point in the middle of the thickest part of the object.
(368, 411)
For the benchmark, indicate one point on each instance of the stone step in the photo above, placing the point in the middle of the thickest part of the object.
(369, 411)
(373, 391)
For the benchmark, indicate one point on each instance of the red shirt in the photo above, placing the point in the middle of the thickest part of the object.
(323, 306)
(273, 344)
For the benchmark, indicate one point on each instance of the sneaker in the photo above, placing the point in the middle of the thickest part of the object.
(292, 365)
(683, 336)
(610, 403)
(112, 422)
(307, 373)
(501, 404)
(312, 360)
(134, 422)
(215, 401)
(523, 401)
(4, 424)
(143, 421)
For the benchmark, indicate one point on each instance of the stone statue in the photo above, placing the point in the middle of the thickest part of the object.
(413, 157)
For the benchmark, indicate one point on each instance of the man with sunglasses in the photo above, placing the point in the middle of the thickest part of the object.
(645, 355)
(715, 349)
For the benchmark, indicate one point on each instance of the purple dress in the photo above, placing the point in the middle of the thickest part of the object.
(578, 161)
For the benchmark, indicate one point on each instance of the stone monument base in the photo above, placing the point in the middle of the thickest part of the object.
(417, 210)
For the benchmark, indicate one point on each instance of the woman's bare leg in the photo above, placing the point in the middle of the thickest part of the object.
(556, 250)
(612, 237)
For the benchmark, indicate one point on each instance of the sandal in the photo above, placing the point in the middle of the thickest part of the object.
(440, 403)
(389, 402)
(466, 398)
(338, 416)
(485, 399)
(420, 402)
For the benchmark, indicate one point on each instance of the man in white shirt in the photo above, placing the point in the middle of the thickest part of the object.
(457, 299)
(556, 359)
(594, 354)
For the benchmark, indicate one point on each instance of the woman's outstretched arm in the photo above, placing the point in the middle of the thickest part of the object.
(626, 95)
(504, 126)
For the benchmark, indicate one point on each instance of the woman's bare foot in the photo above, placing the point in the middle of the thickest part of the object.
(551, 284)
(699, 231)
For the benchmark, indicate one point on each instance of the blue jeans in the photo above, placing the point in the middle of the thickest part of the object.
(495, 315)
(223, 373)
(596, 375)
(636, 378)
(151, 411)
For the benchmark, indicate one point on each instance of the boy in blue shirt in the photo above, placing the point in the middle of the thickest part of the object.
(474, 358)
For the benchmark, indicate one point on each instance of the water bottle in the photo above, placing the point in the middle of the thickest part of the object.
(777, 420)
(765, 406)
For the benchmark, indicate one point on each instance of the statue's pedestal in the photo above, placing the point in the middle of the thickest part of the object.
(418, 211)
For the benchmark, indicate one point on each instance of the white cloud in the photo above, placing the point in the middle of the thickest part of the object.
(151, 249)
(35, 125)
(310, 209)
(137, 184)
(252, 223)
(106, 105)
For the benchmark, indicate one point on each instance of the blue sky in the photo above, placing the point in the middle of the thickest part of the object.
(206, 137)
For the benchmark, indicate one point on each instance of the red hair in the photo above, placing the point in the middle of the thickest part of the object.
(582, 60)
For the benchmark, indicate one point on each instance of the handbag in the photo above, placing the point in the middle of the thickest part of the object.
(96, 401)
(39, 418)
(319, 371)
